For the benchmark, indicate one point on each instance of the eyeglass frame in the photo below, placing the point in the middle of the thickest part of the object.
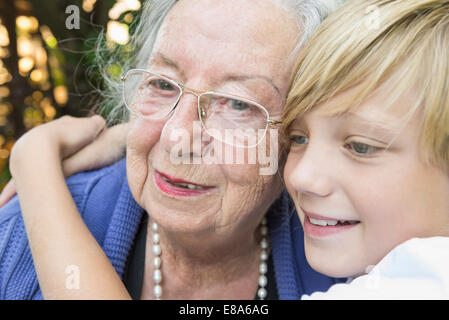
(198, 93)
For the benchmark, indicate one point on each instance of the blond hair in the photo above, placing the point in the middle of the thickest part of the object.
(367, 42)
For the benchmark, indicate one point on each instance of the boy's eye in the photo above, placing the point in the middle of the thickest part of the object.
(361, 148)
(299, 140)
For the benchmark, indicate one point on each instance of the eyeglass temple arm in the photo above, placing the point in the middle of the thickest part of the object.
(271, 121)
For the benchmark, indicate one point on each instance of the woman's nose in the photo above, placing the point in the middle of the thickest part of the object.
(312, 173)
(181, 135)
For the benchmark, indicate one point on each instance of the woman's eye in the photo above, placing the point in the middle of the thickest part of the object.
(299, 140)
(239, 105)
(362, 148)
(162, 85)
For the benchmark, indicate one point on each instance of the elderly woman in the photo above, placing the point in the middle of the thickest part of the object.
(170, 229)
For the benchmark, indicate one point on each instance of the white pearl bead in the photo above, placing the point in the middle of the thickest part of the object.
(156, 238)
(263, 268)
(157, 262)
(156, 249)
(157, 291)
(263, 281)
(157, 276)
(262, 293)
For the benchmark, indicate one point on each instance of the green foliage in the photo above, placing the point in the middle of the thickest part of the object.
(77, 61)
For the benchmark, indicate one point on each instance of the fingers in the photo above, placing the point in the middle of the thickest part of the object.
(107, 148)
(85, 145)
(78, 132)
(7, 193)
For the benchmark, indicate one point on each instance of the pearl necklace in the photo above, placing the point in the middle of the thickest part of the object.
(263, 267)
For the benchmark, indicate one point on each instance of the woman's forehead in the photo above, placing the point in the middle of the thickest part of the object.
(226, 15)
(222, 30)
(204, 53)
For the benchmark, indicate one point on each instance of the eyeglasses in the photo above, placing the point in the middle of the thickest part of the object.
(230, 119)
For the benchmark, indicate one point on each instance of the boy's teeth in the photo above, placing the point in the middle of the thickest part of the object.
(323, 223)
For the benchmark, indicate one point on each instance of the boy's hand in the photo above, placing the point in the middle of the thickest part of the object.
(81, 143)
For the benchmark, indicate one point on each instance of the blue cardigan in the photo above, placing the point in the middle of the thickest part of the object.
(110, 212)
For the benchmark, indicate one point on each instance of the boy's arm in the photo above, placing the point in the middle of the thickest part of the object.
(59, 240)
(105, 150)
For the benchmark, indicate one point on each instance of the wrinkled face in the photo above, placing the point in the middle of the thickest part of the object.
(235, 47)
(356, 198)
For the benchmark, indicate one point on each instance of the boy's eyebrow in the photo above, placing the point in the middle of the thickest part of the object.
(392, 127)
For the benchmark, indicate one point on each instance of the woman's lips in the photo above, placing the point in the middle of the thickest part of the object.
(178, 187)
(319, 226)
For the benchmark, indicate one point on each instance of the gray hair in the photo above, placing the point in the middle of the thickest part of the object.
(308, 14)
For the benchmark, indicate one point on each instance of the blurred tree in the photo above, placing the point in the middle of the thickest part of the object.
(18, 88)
(43, 63)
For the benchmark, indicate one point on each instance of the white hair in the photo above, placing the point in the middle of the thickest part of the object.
(308, 14)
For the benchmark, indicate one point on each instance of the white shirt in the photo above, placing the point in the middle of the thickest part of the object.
(416, 269)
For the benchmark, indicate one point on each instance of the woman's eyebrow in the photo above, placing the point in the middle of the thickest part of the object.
(160, 59)
(243, 78)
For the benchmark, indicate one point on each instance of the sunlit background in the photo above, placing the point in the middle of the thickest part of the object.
(43, 64)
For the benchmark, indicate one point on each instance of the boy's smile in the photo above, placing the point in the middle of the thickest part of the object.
(360, 183)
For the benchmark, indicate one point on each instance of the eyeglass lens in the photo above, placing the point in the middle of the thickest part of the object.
(226, 118)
